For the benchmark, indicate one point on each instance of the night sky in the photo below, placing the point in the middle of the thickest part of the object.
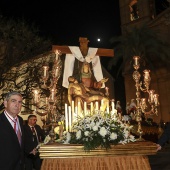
(66, 21)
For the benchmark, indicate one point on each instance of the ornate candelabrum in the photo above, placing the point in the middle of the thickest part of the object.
(141, 103)
(46, 104)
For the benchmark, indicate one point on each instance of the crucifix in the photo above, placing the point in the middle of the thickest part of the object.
(81, 53)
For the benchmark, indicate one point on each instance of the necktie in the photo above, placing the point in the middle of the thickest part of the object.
(17, 130)
(34, 135)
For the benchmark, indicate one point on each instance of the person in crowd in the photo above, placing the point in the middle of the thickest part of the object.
(33, 136)
(164, 138)
(11, 133)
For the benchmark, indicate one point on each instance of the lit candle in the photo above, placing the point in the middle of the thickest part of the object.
(102, 102)
(85, 108)
(107, 107)
(36, 96)
(76, 112)
(136, 60)
(66, 118)
(46, 100)
(79, 108)
(52, 94)
(45, 70)
(57, 53)
(97, 106)
(156, 99)
(107, 90)
(72, 106)
(146, 74)
(91, 107)
(70, 117)
(56, 72)
(113, 107)
(151, 93)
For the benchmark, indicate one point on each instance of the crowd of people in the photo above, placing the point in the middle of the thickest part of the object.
(18, 141)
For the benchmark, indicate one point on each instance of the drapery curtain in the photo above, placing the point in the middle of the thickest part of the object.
(97, 163)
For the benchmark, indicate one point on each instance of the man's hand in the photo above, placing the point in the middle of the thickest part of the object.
(34, 151)
(104, 80)
(159, 147)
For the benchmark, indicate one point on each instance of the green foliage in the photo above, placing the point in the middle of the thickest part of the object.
(19, 42)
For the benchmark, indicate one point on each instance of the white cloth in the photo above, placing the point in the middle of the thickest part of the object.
(91, 57)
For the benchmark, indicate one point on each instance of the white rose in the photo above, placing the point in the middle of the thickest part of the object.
(113, 136)
(103, 131)
(78, 134)
(86, 133)
(95, 128)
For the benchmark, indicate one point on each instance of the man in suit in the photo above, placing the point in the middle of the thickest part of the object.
(33, 136)
(11, 133)
(164, 138)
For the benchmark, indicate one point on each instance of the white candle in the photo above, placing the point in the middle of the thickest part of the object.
(56, 72)
(76, 112)
(45, 70)
(72, 106)
(79, 108)
(66, 117)
(136, 59)
(146, 74)
(70, 118)
(113, 107)
(107, 108)
(102, 102)
(107, 90)
(52, 94)
(85, 108)
(56, 53)
(97, 106)
(36, 96)
(91, 107)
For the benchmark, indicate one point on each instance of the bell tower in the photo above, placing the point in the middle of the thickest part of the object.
(136, 12)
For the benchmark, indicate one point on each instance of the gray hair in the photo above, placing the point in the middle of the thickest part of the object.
(9, 94)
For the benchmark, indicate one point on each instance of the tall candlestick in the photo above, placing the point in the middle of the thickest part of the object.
(107, 107)
(97, 105)
(57, 53)
(56, 72)
(66, 118)
(36, 97)
(72, 106)
(91, 107)
(79, 108)
(45, 70)
(85, 108)
(70, 118)
(76, 112)
(113, 107)
(52, 94)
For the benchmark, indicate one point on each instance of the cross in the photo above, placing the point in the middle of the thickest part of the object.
(84, 50)
(100, 52)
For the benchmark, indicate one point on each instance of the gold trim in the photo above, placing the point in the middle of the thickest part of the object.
(73, 150)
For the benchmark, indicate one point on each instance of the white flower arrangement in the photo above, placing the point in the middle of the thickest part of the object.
(99, 131)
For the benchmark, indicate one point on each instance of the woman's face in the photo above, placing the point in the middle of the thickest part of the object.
(86, 68)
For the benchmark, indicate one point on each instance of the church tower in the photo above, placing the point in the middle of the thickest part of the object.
(156, 15)
(136, 12)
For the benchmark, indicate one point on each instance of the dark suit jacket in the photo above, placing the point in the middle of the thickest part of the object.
(28, 141)
(165, 136)
(11, 153)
